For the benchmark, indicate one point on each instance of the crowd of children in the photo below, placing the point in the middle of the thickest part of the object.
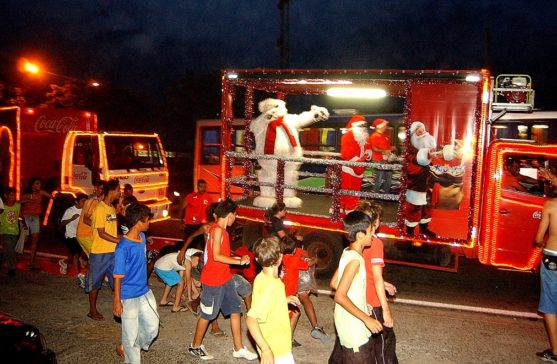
(211, 279)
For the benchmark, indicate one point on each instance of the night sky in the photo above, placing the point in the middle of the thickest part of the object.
(147, 44)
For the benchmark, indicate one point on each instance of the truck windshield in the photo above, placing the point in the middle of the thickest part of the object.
(132, 152)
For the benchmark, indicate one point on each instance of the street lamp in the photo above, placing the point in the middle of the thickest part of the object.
(32, 68)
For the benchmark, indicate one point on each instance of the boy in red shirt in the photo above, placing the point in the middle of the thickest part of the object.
(219, 292)
(384, 343)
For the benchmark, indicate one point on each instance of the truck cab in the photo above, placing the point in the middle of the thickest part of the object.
(64, 148)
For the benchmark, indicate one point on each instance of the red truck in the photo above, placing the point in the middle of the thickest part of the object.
(500, 136)
(65, 149)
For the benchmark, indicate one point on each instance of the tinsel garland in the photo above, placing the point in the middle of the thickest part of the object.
(326, 162)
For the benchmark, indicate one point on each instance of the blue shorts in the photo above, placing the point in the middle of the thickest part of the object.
(219, 298)
(33, 224)
(99, 265)
(243, 287)
(169, 277)
(548, 294)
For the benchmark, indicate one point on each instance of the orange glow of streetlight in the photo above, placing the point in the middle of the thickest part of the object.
(31, 68)
(26, 66)
(94, 84)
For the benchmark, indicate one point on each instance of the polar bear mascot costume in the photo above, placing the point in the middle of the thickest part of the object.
(276, 133)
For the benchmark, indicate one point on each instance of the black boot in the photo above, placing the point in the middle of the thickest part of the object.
(425, 231)
(410, 230)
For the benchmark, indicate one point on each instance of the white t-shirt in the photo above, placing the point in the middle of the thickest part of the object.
(169, 262)
(71, 227)
(192, 251)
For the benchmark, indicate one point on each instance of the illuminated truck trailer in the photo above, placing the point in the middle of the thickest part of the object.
(475, 211)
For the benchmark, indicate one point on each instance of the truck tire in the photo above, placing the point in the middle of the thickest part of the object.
(251, 232)
(327, 247)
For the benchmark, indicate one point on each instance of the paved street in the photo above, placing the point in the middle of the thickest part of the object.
(425, 335)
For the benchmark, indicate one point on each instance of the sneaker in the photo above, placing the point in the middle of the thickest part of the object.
(295, 344)
(120, 350)
(547, 355)
(63, 267)
(244, 353)
(200, 353)
(319, 334)
(81, 280)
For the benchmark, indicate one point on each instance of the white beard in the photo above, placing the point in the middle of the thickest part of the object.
(423, 141)
(360, 135)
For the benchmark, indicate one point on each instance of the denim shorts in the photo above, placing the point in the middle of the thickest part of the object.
(219, 298)
(99, 265)
(548, 294)
(169, 277)
(33, 224)
(243, 287)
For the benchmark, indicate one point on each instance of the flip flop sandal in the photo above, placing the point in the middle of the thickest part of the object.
(218, 333)
(97, 317)
(166, 304)
(181, 309)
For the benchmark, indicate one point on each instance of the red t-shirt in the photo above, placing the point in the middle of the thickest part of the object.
(373, 255)
(292, 264)
(196, 208)
(216, 273)
(380, 141)
(248, 271)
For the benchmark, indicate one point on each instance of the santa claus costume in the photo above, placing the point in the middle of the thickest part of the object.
(418, 157)
(354, 148)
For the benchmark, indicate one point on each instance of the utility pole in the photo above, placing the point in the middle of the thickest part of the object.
(282, 42)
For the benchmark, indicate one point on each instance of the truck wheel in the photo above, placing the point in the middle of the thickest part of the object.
(251, 232)
(327, 248)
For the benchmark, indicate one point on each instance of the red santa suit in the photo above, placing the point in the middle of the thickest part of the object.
(354, 151)
(416, 210)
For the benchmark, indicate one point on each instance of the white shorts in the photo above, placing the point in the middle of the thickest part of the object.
(285, 359)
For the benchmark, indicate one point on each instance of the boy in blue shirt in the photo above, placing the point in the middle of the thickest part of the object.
(134, 302)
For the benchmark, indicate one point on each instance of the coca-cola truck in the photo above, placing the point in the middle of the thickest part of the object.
(64, 148)
(477, 210)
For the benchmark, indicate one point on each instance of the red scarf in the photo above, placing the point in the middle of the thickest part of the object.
(271, 135)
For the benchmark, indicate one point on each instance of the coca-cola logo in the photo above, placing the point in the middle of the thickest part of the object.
(141, 179)
(81, 176)
(537, 215)
(62, 125)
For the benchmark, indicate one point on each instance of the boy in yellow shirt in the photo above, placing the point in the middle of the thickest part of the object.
(268, 320)
(105, 238)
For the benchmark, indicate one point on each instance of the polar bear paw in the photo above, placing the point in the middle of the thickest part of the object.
(320, 113)
(293, 202)
(264, 202)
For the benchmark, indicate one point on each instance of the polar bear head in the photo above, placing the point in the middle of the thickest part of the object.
(273, 108)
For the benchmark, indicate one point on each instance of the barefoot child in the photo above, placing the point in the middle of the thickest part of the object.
(172, 274)
(134, 302)
(354, 326)
(267, 319)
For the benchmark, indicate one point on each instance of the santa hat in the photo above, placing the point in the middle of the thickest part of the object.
(379, 123)
(356, 120)
(415, 125)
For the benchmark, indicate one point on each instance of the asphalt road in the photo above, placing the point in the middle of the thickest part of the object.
(58, 307)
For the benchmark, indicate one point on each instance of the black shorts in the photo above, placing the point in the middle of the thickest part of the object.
(74, 246)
